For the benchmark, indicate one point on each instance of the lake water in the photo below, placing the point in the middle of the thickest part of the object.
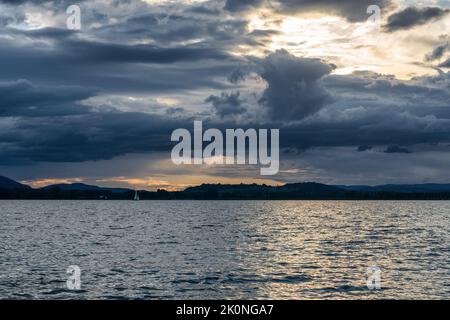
(225, 249)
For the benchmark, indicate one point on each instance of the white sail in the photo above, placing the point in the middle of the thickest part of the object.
(136, 195)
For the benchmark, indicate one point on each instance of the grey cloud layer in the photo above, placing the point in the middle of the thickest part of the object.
(47, 75)
(438, 52)
(22, 98)
(294, 90)
(412, 16)
(227, 104)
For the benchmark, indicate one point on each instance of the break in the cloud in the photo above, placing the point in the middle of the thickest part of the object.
(88, 101)
(352, 10)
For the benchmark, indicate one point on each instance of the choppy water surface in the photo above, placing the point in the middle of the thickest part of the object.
(224, 249)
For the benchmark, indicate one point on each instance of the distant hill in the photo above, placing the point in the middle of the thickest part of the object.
(311, 187)
(294, 191)
(402, 188)
(6, 183)
(317, 191)
(82, 187)
(10, 189)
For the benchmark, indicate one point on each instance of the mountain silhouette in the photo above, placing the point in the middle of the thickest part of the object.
(6, 183)
(10, 189)
(82, 187)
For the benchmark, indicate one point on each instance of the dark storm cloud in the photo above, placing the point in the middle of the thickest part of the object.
(101, 61)
(22, 98)
(438, 52)
(227, 104)
(360, 110)
(43, 33)
(396, 149)
(445, 64)
(40, 2)
(101, 52)
(364, 148)
(170, 28)
(74, 49)
(5, 20)
(48, 124)
(115, 67)
(112, 61)
(413, 16)
(19, 2)
(91, 136)
(357, 127)
(8, 17)
(367, 109)
(204, 9)
(239, 74)
(375, 90)
(45, 118)
(294, 89)
(374, 110)
(103, 134)
(239, 5)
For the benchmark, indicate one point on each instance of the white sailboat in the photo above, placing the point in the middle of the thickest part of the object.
(136, 195)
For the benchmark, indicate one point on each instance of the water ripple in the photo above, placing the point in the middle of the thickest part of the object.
(225, 249)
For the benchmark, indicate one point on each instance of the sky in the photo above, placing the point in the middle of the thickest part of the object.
(359, 96)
